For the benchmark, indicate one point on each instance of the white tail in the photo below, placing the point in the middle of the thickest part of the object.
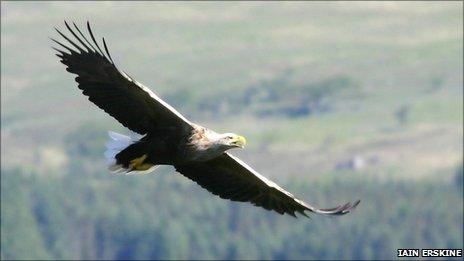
(116, 144)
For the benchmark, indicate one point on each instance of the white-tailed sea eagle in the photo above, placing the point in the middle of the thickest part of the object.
(169, 138)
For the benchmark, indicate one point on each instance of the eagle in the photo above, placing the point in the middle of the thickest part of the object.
(166, 137)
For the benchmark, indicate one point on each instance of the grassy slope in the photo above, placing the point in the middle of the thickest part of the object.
(401, 53)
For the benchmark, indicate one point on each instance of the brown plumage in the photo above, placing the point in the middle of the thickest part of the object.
(168, 137)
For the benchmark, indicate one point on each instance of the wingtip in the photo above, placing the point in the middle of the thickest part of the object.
(340, 210)
(350, 207)
(66, 23)
(355, 204)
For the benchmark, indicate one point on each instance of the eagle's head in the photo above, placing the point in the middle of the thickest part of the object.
(231, 140)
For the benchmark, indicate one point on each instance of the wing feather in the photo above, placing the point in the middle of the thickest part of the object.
(230, 178)
(132, 104)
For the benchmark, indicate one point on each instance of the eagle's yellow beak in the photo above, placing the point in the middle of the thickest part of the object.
(238, 141)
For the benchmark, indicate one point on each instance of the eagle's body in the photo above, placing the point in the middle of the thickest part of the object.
(168, 138)
(166, 147)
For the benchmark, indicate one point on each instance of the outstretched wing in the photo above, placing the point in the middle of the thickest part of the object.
(230, 178)
(132, 104)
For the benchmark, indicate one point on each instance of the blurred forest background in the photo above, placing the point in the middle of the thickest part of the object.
(338, 101)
